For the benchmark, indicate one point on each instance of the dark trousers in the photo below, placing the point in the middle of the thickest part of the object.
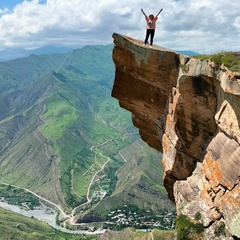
(149, 32)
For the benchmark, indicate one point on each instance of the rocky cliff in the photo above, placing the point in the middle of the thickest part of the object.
(189, 110)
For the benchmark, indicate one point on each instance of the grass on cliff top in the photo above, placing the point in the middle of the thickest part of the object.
(229, 59)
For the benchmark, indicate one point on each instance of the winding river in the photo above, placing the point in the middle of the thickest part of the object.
(45, 214)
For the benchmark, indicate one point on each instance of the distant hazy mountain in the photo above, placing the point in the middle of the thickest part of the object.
(59, 127)
(188, 53)
(13, 53)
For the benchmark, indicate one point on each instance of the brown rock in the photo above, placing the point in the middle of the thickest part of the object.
(189, 110)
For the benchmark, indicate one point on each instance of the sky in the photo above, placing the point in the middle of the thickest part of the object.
(204, 26)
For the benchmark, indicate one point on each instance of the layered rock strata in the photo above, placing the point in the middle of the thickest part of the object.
(189, 110)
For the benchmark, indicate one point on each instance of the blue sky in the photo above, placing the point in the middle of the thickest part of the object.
(203, 26)
(9, 3)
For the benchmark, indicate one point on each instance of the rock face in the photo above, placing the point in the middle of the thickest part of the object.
(189, 110)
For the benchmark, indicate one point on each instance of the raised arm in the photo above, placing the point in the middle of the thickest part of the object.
(159, 12)
(143, 12)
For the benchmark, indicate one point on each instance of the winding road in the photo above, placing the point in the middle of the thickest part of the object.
(66, 216)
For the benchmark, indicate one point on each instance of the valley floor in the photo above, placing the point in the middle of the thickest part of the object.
(45, 214)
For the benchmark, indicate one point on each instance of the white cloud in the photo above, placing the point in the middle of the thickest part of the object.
(183, 25)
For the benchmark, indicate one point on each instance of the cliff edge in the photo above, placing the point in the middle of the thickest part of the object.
(189, 110)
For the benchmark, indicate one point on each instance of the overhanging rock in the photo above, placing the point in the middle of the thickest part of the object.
(189, 110)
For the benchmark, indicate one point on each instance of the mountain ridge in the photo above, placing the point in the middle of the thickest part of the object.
(56, 109)
(14, 53)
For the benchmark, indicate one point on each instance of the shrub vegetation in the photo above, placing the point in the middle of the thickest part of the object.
(229, 59)
(187, 230)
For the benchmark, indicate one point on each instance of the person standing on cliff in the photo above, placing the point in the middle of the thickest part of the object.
(151, 26)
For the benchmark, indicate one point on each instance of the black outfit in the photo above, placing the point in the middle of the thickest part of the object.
(149, 32)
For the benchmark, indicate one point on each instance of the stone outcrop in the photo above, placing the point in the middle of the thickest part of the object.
(189, 110)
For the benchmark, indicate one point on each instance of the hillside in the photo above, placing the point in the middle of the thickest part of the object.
(64, 137)
(17, 227)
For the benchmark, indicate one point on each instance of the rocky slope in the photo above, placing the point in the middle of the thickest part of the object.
(189, 110)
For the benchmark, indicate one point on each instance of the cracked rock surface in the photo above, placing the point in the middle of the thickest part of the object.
(189, 110)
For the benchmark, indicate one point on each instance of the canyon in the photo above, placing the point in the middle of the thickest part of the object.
(66, 141)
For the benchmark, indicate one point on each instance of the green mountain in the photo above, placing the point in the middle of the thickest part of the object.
(63, 137)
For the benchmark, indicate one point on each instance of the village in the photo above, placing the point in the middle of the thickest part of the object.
(131, 216)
